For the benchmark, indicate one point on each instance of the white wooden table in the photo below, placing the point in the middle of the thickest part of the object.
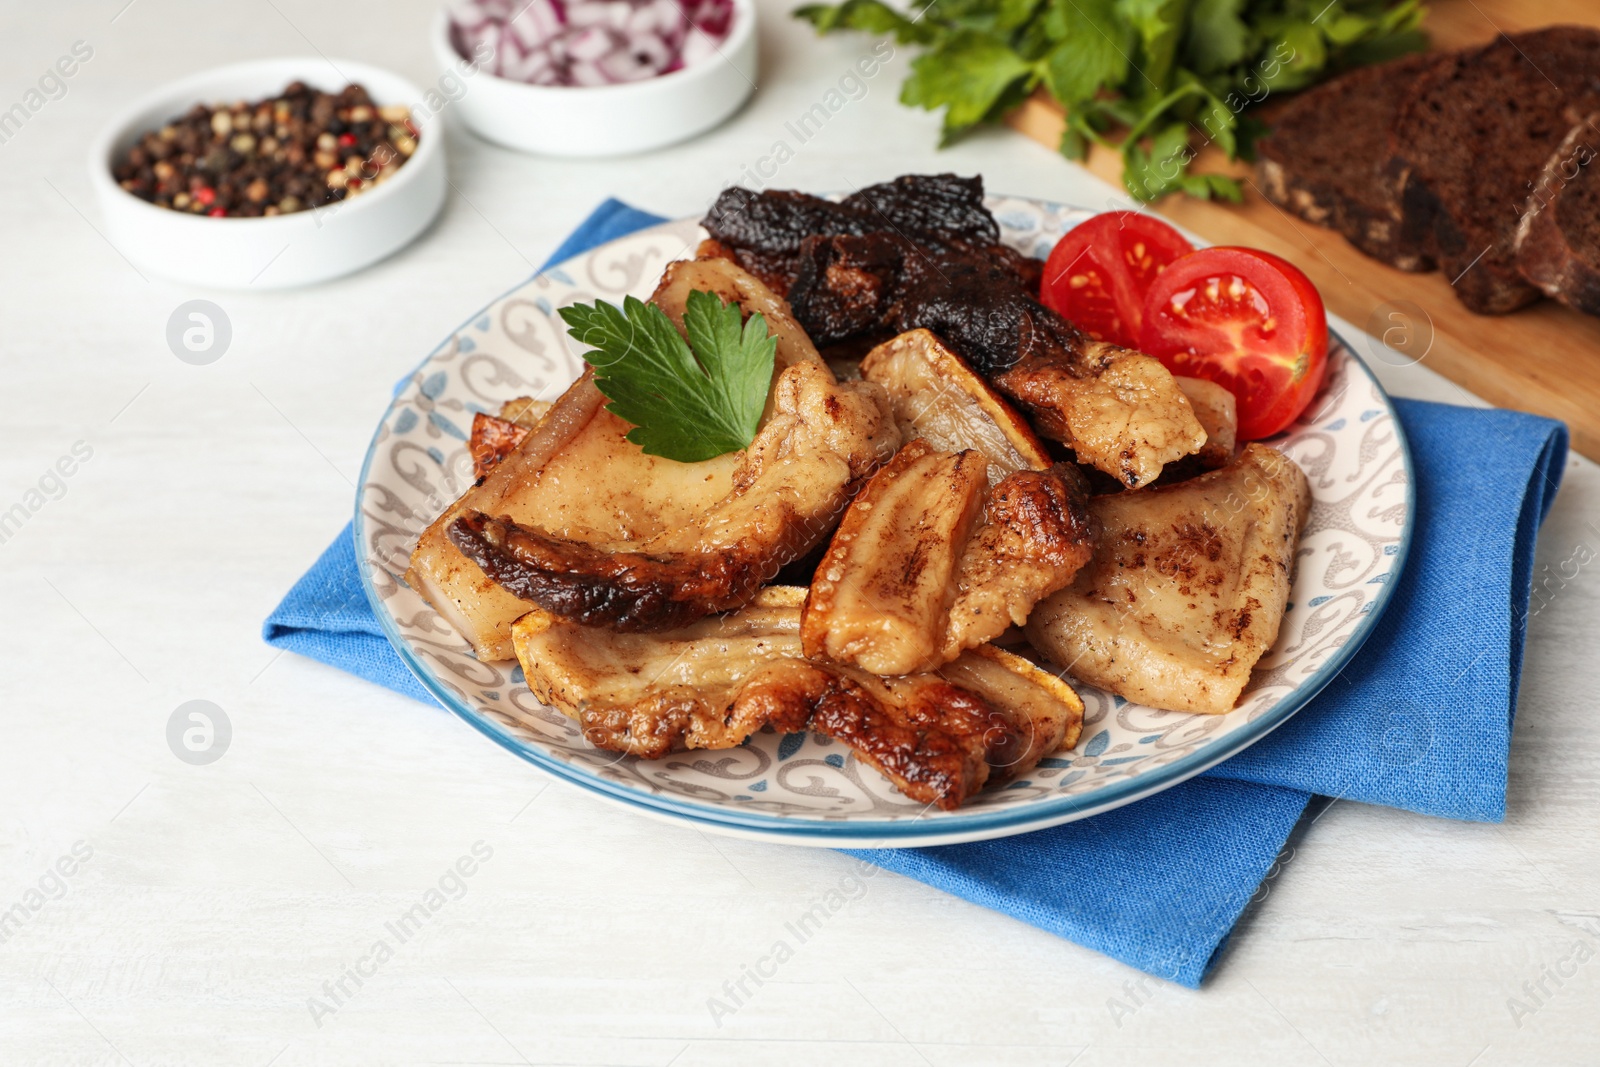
(216, 901)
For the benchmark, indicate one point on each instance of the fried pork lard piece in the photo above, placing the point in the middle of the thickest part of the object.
(764, 231)
(882, 594)
(1119, 410)
(549, 482)
(494, 437)
(937, 397)
(821, 440)
(710, 685)
(575, 477)
(923, 251)
(1187, 587)
(1035, 536)
(958, 537)
(1218, 412)
(929, 561)
(732, 285)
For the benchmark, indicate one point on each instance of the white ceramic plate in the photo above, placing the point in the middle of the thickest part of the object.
(805, 789)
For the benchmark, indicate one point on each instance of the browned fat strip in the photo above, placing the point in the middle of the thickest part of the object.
(626, 591)
(882, 592)
(710, 685)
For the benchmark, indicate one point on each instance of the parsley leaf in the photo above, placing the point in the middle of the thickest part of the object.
(1218, 36)
(1159, 24)
(687, 401)
(1093, 49)
(1151, 173)
(967, 74)
(869, 16)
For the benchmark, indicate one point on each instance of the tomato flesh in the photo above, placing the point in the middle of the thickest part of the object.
(1097, 275)
(1247, 320)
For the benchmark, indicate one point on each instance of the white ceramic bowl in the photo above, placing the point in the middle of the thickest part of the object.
(605, 120)
(284, 250)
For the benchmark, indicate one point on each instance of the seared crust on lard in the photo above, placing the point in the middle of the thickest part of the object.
(822, 439)
(938, 736)
(1187, 587)
(929, 561)
(576, 477)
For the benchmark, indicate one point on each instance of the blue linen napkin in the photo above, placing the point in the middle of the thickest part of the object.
(1421, 720)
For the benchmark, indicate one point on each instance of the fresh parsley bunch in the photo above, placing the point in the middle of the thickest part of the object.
(1156, 78)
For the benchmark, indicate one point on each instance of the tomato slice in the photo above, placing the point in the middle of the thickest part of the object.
(1247, 320)
(1097, 274)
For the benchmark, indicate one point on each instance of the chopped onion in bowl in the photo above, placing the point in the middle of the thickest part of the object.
(588, 42)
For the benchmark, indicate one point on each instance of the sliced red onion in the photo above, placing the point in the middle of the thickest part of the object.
(590, 45)
(697, 47)
(535, 69)
(589, 42)
(530, 29)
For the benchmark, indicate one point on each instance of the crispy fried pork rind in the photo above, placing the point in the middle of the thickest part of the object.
(1186, 589)
(549, 482)
(820, 441)
(710, 685)
(724, 279)
(930, 560)
(1119, 410)
(937, 397)
(575, 477)
(492, 440)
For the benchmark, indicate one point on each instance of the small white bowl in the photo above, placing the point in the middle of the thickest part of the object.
(603, 120)
(283, 250)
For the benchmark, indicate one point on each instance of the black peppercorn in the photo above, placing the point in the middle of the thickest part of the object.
(301, 149)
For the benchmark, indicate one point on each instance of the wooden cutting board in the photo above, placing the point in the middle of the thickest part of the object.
(1544, 359)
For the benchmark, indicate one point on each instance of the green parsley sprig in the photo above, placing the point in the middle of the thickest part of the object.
(687, 401)
(1152, 78)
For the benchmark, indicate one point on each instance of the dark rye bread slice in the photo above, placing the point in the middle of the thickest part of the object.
(1326, 158)
(1468, 146)
(1558, 240)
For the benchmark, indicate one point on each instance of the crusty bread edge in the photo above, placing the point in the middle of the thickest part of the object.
(1377, 234)
(1373, 234)
(1480, 286)
(1544, 256)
